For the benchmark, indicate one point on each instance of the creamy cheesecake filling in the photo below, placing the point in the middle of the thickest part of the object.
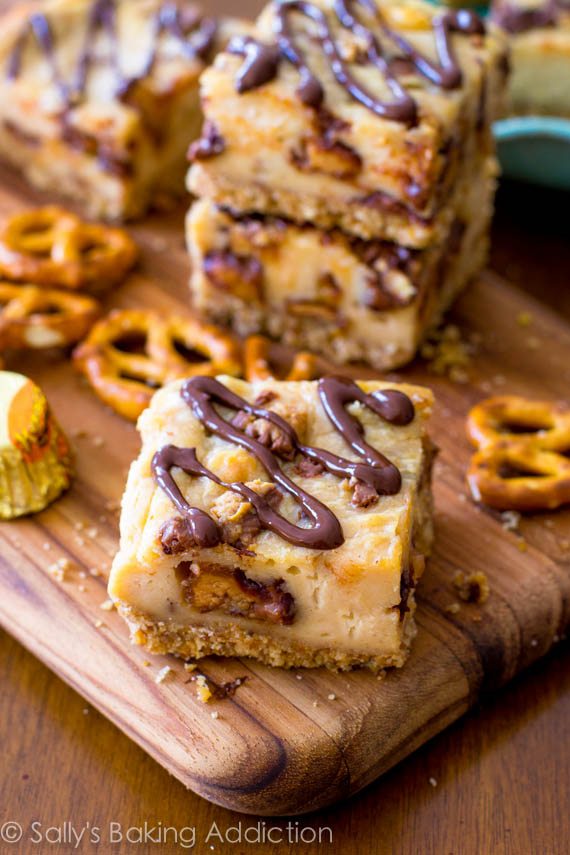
(211, 587)
(217, 589)
(330, 292)
(114, 176)
(102, 98)
(539, 40)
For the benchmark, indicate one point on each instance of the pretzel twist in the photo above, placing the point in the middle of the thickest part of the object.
(53, 247)
(520, 462)
(131, 353)
(257, 366)
(33, 318)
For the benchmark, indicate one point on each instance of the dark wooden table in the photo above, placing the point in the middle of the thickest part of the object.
(496, 782)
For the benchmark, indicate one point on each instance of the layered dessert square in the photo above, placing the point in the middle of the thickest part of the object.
(539, 39)
(99, 98)
(362, 116)
(330, 292)
(286, 521)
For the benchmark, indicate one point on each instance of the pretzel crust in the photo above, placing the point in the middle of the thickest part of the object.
(131, 353)
(51, 246)
(520, 462)
(256, 351)
(34, 318)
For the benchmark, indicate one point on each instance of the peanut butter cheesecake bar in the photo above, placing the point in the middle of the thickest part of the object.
(539, 38)
(362, 115)
(99, 98)
(329, 291)
(287, 521)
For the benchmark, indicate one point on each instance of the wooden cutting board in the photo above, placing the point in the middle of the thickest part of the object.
(282, 744)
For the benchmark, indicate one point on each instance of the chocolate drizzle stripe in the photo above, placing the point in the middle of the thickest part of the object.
(195, 36)
(521, 19)
(262, 61)
(403, 108)
(169, 20)
(39, 27)
(103, 17)
(201, 393)
(447, 72)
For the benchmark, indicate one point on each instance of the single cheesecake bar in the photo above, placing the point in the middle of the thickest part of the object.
(539, 36)
(99, 98)
(362, 116)
(331, 292)
(287, 521)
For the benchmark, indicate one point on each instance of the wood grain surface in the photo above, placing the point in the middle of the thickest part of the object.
(501, 782)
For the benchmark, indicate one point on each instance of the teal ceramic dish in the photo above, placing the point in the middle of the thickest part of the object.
(535, 149)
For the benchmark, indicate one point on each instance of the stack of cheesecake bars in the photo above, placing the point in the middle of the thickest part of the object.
(346, 174)
(345, 179)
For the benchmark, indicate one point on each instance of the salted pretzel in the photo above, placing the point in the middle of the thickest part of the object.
(53, 247)
(256, 353)
(131, 353)
(34, 318)
(512, 418)
(520, 463)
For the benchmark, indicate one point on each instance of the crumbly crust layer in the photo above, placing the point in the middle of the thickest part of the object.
(377, 217)
(196, 642)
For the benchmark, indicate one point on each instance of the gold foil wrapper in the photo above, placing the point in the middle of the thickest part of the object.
(36, 464)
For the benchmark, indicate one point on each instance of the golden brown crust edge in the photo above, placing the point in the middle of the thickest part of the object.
(197, 642)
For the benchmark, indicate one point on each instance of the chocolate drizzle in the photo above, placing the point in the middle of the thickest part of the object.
(262, 61)
(210, 144)
(195, 36)
(39, 27)
(373, 469)
(520, 19)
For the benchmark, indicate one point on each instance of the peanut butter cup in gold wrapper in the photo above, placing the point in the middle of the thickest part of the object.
(36, 463)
